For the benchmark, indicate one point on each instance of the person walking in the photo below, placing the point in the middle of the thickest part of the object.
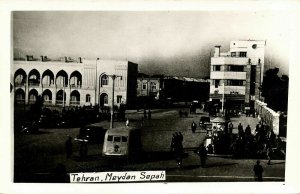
(145, 114)
(127, 123)
(194, 127)
(178, 152)
(269, 153)
(202, 152)
(69, 147)
(83, 149)
(149, 114)
(240, 130)
(258, 171)
(230, 127)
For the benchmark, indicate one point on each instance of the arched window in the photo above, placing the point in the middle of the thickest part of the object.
(88, 98)
(106, 99)
(104, 80)
(153, 86)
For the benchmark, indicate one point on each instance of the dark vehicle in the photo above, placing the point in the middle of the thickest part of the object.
(48, 121)
(65, 123)
(29, 127)
(91, 134)
(195, 107)
(204, 121)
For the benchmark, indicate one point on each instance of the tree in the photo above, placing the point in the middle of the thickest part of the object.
(275, 90)
(36, 108)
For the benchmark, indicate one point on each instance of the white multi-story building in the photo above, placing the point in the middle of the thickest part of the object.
(237, 74)
(73, 83)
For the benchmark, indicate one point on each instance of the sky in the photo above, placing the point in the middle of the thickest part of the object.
(162, 42)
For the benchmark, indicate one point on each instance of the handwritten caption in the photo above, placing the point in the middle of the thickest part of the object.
(129, 176)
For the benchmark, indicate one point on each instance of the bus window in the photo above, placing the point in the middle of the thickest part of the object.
(117, 139)
(124, 139)
(109, 138)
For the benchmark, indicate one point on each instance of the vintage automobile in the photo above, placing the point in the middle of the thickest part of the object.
(122, 142)
(91, 134)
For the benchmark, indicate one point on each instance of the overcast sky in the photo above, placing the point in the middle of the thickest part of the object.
(173, 43)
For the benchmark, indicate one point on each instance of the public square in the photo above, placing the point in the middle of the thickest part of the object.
(36, 156)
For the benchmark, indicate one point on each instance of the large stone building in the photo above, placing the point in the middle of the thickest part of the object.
(237, 74)
(73, 82)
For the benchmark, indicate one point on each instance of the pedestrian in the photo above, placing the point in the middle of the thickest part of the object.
(202, 152)
(180, 113)
(269, 153)
(180, 136)
(258, 171)
(230, 127)
(149, 114)
(83, 149)
(145, 114)
(248, 130)
(69, 147)
(194, 127)
(240, 130)
(178, 152)
(127, 122)
(210, 149)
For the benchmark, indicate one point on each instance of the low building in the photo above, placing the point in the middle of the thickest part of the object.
(148, 86)
(70, 82)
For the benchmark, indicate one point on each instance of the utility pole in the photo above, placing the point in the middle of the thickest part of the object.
(96, 79)
(112, 102)
(223, 97)
(63, 91)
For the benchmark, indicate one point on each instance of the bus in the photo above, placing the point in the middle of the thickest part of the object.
(122, 142)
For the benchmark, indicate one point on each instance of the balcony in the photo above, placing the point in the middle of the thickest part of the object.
(229, 60)
(228, 75)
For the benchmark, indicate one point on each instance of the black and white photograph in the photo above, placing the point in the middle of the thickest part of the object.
(149, 96)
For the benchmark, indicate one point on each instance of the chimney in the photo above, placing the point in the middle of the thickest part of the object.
(42, 58)
(80, 61)
(45, 58)
(66, 59)
(217, 51)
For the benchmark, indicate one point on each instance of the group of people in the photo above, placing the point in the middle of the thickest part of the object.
(259, 145)
(177, 149)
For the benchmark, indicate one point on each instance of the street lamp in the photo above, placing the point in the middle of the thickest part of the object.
(96, 81)
(112, 102)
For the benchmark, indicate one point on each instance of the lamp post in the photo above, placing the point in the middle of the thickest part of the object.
(113, 77)
(96, 74)
(223, 97)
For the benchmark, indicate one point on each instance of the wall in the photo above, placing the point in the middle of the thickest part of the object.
(268, 116)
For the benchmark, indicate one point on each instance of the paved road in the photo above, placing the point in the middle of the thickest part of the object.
(41, 153)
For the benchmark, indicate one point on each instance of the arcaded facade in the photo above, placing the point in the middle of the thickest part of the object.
(74, 82)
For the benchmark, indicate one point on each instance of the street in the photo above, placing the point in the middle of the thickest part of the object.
(38, 154)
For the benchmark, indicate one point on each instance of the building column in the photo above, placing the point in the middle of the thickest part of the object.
(26, 90)
(247, 87)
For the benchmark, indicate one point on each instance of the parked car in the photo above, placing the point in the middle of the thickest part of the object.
(91, 134)
(29, 127)
(204, 120)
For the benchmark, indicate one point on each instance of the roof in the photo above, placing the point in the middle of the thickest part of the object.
(218, 120)
(120, 131)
